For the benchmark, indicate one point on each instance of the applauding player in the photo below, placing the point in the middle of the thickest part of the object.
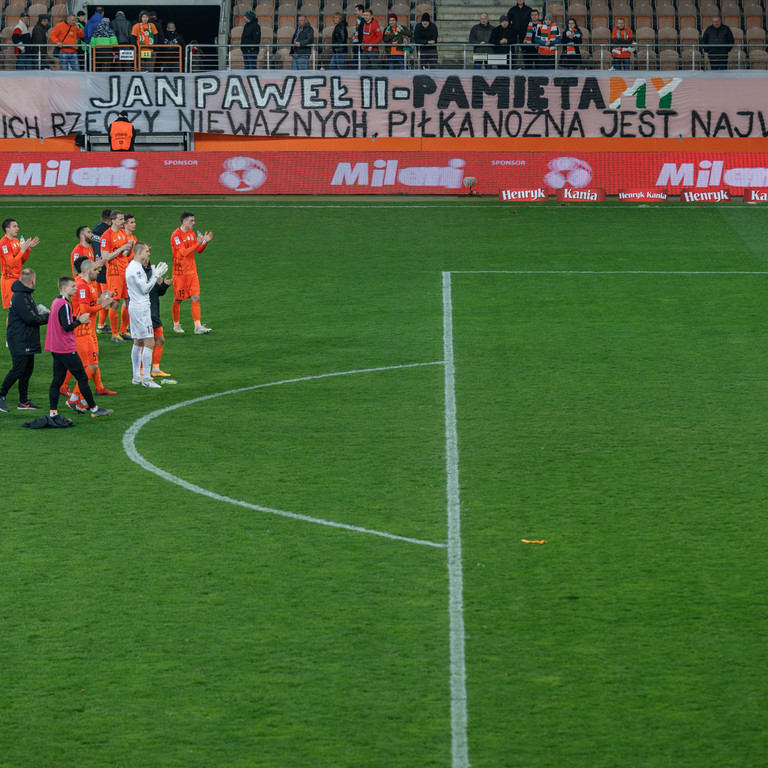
(186, 285)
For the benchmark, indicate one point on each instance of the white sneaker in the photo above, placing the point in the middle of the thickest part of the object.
(135, 380)
(202, 329)
(151, 383)
(177, 328)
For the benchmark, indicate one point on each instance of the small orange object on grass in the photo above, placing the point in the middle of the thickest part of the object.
(538, 541)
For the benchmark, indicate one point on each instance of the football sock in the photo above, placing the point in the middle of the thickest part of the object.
(196, 312)
(97, 379)
(113, 321)
(124, 319)
(136, 360)
(103, 316)
(157, 353)
(176, 311)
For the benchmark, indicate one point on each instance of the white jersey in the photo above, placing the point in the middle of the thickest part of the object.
(139, 285)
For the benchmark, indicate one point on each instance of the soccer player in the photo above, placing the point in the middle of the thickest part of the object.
(84, 247)
(115, 249)
(99, 229)
(157, 291)
(86, 300)
(60, 342)
(13, 255)
(186, 285)
(139, 286)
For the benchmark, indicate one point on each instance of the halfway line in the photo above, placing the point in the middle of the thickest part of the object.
(459, 745)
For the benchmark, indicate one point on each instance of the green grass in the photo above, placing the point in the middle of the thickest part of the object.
(621, 417)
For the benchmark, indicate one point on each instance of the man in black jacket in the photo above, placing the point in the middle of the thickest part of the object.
(250, 41)
(23, 334)
(519, 15)
(717, 42)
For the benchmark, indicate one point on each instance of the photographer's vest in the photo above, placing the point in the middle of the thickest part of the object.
(120, 135)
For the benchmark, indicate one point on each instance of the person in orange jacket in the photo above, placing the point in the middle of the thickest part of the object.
(65, 36)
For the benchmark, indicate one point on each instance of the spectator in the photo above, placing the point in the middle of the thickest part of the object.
(502, 42)
(301, 45)
(571, 57)
(250, 41)
(40, 42)
(480, 36)
(160, 36)
(122, 28)
(339, 40)
(547, 38)
(519, 16)
(397, 36)
(370, 37)
(104, 39)
(195, 56)
(92, 23)
(22, 40)
(65, 36)
(144, 36)
(717, 42)
(529, 53)
(82, 47)
(23, 339)
(622, 40)
(425, 36)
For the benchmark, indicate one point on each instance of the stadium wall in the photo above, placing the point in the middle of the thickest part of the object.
(405, 133)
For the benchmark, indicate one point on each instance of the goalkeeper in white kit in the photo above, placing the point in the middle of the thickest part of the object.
(139, 285)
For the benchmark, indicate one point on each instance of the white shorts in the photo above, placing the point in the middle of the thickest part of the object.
(141, 322)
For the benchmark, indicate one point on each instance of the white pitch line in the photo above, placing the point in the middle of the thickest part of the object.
(129, 446)
(596, 272)
(459, 744)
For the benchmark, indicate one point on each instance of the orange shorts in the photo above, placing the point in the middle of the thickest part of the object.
(5, 288)
(116, 284)
(185, 287)
(158, 332)
(87, 350)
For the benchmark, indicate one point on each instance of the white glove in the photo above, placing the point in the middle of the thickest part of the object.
(160, 270)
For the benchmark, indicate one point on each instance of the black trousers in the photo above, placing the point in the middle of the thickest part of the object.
(63, 362)
(21, 371)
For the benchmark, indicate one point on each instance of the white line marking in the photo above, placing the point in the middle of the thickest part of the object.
(129, 446)
(592, 272)
(459, 745)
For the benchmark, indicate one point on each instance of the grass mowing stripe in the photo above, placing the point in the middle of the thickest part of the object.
(459, 745)
(129, 446)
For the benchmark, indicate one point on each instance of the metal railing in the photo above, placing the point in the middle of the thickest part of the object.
(644, 56)
(200, 58)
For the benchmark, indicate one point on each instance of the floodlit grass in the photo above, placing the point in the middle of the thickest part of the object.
(620, 417)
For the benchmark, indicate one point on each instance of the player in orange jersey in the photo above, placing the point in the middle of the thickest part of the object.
(84, 247)
(87, 300)
(116, 250)
(186, 285)
(13, 255)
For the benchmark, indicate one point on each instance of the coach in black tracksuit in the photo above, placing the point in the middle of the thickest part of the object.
(23, 336)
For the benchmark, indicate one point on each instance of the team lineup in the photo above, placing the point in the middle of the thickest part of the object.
(114, 289)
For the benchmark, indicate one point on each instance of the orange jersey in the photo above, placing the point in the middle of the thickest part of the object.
(12, 258)
(86, 299)
(78, 251)
(184, 246)
(110, 242)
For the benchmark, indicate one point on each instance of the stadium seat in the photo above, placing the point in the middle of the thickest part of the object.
(239, 9)
(235, 34)
(621, 11)
(758, 59)
(669, 58)
(752, 22)
(577, 9)
(667, 36)
(755, 36)
(35, 9)
(599, 8)
(403, 12)
(645, 35)
(58, 13)
(689, 35)
(708, 9)
(284, 35)
(643, 21)
(730, 8)
(267, 24)
(599, 22)
(687, 8)
(688, 21)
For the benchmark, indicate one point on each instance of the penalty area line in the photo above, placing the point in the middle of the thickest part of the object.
(129, 446)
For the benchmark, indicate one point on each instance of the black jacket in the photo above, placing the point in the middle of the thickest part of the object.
(24, 321)
(251, 38)
(339, 37)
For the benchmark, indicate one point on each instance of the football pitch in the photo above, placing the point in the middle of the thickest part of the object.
(452, 482)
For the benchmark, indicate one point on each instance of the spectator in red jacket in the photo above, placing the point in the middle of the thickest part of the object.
(369, 42)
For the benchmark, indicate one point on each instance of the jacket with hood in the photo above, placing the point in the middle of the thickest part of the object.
(24, 321)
